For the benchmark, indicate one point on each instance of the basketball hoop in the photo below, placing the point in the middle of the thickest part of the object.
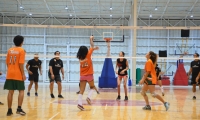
(107, 39)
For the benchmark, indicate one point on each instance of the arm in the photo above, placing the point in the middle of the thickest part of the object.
(40, 69)
(27, 68)
(51, 70)
(62, 71)
(189, 73)
(21, 67)
(116, 68)
(197, 78)
(91, 41)
(127, 66)
(144, 77)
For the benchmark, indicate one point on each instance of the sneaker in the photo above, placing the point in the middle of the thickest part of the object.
(1, 103)
(163, 94)
(98, 92)
(9, 113)
(118, 97)
(36, 94)
(60, 96)
(21, 112)
(28, 93)
(52, 96)
(166, 104)
(126, 98)
(194, 97)
(147, 107)
(81, 107)
(88, 101)
(78, 92)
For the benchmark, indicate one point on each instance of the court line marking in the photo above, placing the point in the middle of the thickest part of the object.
(106, 107)
(53, 116)
(94, 110)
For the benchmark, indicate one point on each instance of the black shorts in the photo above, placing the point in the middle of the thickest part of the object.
(194, 81)
(57, 78)
(33, 77)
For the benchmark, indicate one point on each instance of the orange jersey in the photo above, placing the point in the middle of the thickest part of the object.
(15, 57)
(149, 67)
(86, 66)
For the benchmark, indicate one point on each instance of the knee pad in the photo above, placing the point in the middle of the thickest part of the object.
(143, 93)
(154, 94)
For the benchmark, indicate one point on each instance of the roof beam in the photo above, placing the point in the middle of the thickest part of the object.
(165, 9)
(191, 8)
(47, 6)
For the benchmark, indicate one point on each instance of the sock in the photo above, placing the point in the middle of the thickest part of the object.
(162, 90)
(19, 107)
(194, 93)
(90, 93)
(80, 99)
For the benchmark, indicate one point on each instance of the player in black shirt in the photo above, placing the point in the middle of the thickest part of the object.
(194, 69)
(1, 102)
(32, 67)
(55, 66)
(121, 70)
(158, 74)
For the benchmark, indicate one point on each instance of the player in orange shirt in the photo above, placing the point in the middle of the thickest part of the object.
(15, 74)
(86, 71)
(149, 84)
(1, 102)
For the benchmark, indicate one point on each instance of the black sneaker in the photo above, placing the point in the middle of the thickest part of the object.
(21, 112)
(147, 107)
(78, 92)
(9, 113)
(52, 96)
(194, 97)
(98, 92)
(28, 93)
(1, 103)
(126, 98)
(118, 97)
(60, 96)
(36, 94)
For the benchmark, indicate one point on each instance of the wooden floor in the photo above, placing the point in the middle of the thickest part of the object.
(104, 106)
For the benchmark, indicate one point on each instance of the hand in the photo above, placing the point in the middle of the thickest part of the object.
(116, 72)
(23, 77)
(197, 79)
(188, 77)
(40, 72)
(122, 72)
(96, 48)
(91, 37)
(29, 72)
(62, 77)
(52, 77)
(0, 73)
(141, 82)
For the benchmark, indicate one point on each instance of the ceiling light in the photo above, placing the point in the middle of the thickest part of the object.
(156, 8)
(21, 7)
(66, 8)
(70, 15)
(30, 14)
(110, 8)
(191, 16)
(150, 15)
(110, 15)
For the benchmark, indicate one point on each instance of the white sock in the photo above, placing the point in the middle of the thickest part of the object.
(90, 93)
(80, 99)
(194, 93)
(162, 90)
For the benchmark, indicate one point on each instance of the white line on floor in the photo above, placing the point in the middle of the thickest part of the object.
(54, 116)
(94, 110)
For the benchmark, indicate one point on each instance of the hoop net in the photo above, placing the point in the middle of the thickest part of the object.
(107, 39)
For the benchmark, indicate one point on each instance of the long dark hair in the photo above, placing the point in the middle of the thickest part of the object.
(153, 56)
(82, 52)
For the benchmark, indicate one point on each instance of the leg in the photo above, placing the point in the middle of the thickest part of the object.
(152, 91)
(82, 89)
(118, 84)
(143, 93)
(79, 89)
(194, 90)
(59, 87)
(30, 85)
(10, 98)
(36, 87)
(20, 97)
(125, 84)
(161, 87)
(51, 86)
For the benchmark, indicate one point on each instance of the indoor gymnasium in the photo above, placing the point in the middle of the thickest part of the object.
(99, 60)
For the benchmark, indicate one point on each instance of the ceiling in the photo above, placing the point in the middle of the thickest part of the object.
(168, 9)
